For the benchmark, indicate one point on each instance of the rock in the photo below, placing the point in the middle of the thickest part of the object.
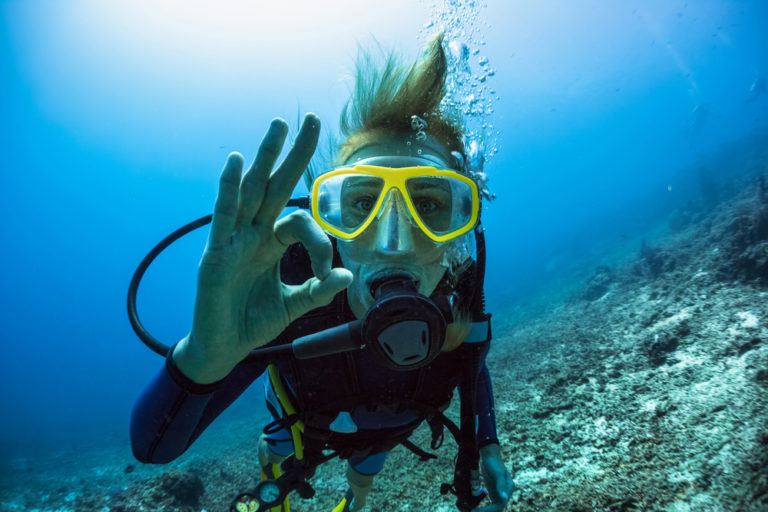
(750, 345)
(599, 284)
(184, 488)
(746, 248)
(660, 349)
(653, 261)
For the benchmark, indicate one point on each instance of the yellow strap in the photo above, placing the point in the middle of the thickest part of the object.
(298, 427)
(340, 506)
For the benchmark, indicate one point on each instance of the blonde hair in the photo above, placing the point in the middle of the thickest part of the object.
(385, 98)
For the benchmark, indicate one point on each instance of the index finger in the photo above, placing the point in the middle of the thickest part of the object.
(284, 179)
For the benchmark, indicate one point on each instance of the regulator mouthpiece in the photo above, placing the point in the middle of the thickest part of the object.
(404, 330)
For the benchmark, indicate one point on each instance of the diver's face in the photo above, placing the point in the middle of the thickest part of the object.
(393, 243)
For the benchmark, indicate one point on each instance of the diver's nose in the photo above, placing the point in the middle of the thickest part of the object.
(393, 232)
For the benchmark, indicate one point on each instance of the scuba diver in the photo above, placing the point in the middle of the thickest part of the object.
(365, 314)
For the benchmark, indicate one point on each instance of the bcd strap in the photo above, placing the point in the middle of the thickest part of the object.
(423, 456)
(285, 422)
(437, 434)
(436, 424)
(296, 426)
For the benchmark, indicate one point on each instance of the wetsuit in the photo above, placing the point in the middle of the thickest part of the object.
(345, 395)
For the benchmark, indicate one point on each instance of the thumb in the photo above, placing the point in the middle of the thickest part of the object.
(314, 293)
(503, 488)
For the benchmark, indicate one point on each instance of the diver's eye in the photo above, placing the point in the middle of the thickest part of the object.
(364, 204)
(426, 206)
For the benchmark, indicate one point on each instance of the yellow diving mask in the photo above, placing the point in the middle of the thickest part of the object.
(444, 204)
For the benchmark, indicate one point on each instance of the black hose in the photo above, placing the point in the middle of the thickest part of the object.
(478, 304)
(133, 288)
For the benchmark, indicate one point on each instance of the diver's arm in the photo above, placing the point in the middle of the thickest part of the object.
(173, 410)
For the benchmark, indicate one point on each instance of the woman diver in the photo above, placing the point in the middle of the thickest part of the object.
(396, 278)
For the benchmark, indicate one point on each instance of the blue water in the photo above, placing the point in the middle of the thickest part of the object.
(117, 117)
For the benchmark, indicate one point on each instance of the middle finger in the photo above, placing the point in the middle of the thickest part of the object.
(254, 184)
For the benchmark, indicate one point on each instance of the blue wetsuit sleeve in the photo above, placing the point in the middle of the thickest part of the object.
(485, 409)
(172, 411)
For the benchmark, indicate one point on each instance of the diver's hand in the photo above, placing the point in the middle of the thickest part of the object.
(497, 479)
(241, 303)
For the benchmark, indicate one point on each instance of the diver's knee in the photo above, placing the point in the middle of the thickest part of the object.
(355, 478)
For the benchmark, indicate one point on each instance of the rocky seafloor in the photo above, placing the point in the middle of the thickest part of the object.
(645, 389)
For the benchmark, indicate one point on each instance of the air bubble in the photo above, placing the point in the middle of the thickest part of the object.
(459, 158)
(469, 72)
(418, 124)
(459, 50)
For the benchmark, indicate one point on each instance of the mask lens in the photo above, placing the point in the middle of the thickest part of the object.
(443, 204)
(345, 201)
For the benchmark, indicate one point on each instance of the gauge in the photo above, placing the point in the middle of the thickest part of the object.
(245, 503)
(269, 493)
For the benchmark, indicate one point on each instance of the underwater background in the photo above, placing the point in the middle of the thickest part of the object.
(605, 126)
